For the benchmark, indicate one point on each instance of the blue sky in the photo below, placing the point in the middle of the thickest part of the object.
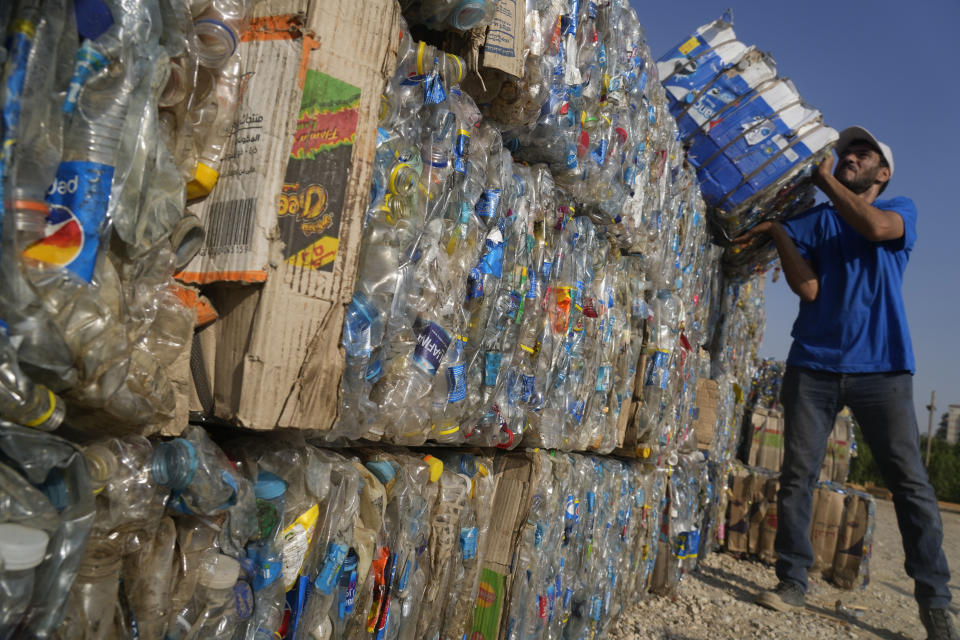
(891, 68)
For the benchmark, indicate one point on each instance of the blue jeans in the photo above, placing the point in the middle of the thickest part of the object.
(882, 404)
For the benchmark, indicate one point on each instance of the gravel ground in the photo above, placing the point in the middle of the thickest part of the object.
(716, 601)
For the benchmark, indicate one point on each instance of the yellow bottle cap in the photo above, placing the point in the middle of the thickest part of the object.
(204, 178)
(436, 467)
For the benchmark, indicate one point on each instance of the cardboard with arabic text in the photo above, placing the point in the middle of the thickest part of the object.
(283, 222)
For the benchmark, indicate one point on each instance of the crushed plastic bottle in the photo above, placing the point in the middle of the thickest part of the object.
(22, 549)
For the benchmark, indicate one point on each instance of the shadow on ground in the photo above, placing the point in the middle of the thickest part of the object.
(742, 588)
(846, 623)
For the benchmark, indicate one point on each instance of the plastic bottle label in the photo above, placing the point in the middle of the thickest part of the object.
(528, 384)
(604, 375)
(296, 541)
(599, 152)
(457, 383)
(348, 586)
(656, 374)
(492, 260)
(487, 204)
(686, 544)
(89, 61)
(474, 284)
(468, 542)
(330, 572)
(266, 569)
(491, 367)
(571, 516)
(532, 288)
(243, 599)
(78, 200)
(432, 343)
(460, 147)
(433, 92)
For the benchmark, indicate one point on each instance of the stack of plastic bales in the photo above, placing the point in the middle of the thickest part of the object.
(484, 308)
(535, 271)
(583, 549)
(93, 221)
(748, 132)
(580, 104)
(175, 539)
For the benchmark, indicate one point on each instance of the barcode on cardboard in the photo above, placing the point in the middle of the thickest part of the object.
(228, 227)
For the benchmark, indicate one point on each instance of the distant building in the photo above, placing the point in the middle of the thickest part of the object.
(950, 425)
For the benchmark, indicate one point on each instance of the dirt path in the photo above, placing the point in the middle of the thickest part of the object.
(716, 602)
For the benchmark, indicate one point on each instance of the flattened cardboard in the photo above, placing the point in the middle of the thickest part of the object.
(311, 97)
(708, 396)
(825, 527)
(768, 526)
(851, 563)
(514, 475)
(738, 510)
(766, 445)
(503, 47)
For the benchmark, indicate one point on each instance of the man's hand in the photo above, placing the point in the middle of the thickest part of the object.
(759, 229)
(824, 171)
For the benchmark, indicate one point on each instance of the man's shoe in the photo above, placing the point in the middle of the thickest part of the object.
(787, 596)
(939, 624)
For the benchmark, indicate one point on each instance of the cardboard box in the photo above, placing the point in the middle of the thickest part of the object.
(766, 440)
(708, 399)
(514, 477)
(284, 220)
(760, 502)
(740, 492)
(627, 427)
(851, 564)
(768, 526)
(825, 526)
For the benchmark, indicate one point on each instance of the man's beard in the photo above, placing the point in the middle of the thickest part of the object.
(861, 183)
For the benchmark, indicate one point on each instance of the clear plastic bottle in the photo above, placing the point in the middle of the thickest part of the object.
(213, 612)
(82, 188)
(21, 550)
(92, 608)
(265, 553)
(21, 400)
(195, 467)
(149, 597)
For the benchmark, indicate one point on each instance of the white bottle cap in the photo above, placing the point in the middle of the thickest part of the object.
(219, 571)
(21, 547)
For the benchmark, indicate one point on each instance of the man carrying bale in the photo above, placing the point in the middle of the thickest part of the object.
(845, 259)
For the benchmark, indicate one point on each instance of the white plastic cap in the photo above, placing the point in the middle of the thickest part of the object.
(21, 547)
(219, 571)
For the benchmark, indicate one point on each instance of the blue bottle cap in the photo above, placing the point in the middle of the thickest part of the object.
(93, 18)
(382, 470)
(268, 486)
(174, 463)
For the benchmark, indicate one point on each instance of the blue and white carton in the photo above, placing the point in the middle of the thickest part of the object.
(754, 72)
(693, 64)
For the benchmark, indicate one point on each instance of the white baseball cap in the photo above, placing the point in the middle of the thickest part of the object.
(850, 134)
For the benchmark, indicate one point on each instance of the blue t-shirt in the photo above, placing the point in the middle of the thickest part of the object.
(857, 324)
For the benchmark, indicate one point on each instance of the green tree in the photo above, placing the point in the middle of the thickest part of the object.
(944, 467)
(863, 468)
